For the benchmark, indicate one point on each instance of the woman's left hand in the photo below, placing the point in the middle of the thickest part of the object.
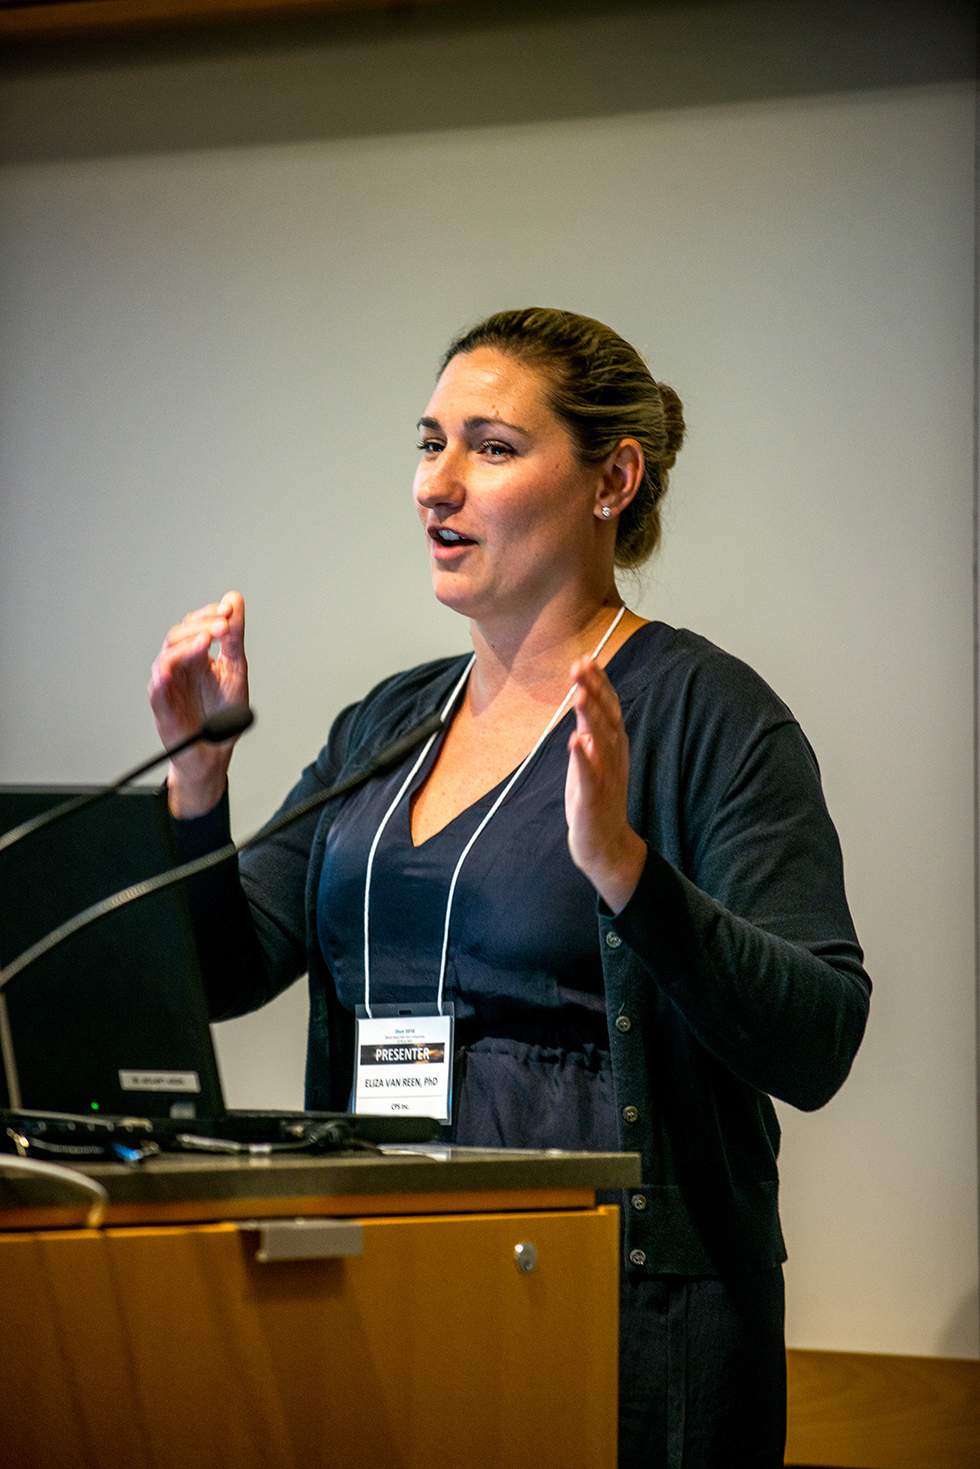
(601, 841)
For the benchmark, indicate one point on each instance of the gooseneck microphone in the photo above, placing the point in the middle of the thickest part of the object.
(226, 724)
(391, 755)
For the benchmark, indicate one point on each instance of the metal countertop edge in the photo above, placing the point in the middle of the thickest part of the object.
(172, 1179)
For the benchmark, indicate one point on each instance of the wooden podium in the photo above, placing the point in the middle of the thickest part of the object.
(419, 1311)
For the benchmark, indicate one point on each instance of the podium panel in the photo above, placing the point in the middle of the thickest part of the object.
(176, 1347)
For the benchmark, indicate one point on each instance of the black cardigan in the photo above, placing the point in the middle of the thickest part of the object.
(733, 972)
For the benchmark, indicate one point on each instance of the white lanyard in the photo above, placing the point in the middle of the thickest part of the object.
(480, 828)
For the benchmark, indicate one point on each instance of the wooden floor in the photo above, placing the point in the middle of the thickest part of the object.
(856, 1410)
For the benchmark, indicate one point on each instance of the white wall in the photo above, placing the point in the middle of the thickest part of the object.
(213, 362)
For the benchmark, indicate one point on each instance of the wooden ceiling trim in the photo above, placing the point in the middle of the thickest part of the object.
(59, 20)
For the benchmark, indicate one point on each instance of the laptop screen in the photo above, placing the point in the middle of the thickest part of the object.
(113, 1020)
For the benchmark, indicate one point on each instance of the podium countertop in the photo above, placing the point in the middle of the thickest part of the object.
(417, 1178)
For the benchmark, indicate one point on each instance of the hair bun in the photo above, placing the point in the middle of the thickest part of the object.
(674, 424)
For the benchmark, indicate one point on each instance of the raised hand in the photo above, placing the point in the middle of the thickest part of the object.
(187, 685)
(600, 839)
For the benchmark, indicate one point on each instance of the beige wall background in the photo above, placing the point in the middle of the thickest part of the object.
(213, 359)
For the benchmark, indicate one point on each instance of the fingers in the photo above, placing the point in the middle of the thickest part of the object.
(218, 620)
(232, 609)
(598, 749)
(592, 686)
(600, 840)
(186, 683)
(223, 621)
(191, 638)
(179, 654)
(598, 717)
(581, 761)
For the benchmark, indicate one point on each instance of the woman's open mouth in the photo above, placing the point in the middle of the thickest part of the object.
(443, 536)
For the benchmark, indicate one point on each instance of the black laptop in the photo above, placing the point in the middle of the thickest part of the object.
(113, 1022)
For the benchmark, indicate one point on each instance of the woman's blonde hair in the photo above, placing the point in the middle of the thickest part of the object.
(602, 390)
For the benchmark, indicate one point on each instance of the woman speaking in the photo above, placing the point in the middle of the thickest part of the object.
(614, 859)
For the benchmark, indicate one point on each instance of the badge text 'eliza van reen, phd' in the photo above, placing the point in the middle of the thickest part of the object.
(425, 1055)
(404, 1063)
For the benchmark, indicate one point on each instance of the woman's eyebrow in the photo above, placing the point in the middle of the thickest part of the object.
(477, 422)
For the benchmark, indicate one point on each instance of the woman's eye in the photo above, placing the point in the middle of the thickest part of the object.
(429, 446)
(495, 449)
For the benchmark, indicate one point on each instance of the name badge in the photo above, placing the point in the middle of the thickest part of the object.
(403, 1061)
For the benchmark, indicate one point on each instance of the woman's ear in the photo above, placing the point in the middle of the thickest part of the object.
(621, 476)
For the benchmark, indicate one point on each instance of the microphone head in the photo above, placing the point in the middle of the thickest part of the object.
(226, 724)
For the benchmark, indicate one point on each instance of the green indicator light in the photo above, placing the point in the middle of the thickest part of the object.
(95, 1106)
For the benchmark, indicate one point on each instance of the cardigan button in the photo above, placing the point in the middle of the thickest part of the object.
(613, 940)
(630, 1114)
(623, 1023)
(639, 1201)
(638, 1258)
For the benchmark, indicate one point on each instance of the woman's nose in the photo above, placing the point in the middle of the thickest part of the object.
(440, 481)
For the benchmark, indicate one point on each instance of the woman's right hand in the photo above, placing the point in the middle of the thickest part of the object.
(187, 685)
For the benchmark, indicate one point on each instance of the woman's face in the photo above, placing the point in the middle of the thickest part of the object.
(507, 506)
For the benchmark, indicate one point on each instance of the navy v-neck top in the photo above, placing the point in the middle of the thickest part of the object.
(523, 967)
